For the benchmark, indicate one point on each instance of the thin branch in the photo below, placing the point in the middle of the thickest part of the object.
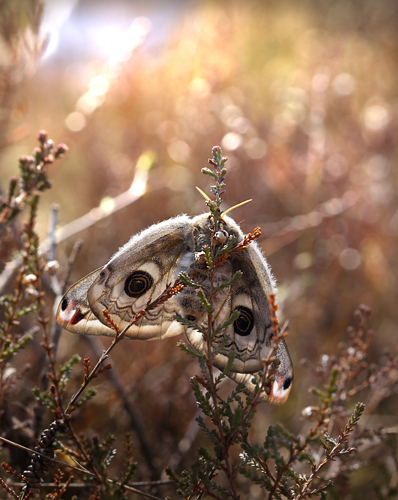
(134, 418)
(56, 330)
(142, 484)
(55, 460)
(276, 235)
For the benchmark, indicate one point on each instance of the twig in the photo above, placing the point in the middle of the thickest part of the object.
(142, 484)
(134, 418)
(94, 372)
(51, 232)
(218, 163)
(69, 265)
(275, 235)
(55, 331)
(185, 442)
(334, 452)
(55, 460)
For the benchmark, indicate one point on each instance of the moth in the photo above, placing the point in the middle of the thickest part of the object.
(140, 271)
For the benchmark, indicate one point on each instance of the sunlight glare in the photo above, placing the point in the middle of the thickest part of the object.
(98, 85)
(138, 187)
(107, 204)
(89, 102)
(117, 44)
(75, 121)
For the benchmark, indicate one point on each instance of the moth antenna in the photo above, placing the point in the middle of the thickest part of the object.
(203, 194)
(235, 206)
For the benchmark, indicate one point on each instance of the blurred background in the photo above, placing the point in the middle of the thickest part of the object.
(303, 99)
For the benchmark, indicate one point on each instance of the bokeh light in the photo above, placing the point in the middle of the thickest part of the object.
(302, 98)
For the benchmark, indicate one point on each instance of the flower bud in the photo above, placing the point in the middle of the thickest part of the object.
(52, 267)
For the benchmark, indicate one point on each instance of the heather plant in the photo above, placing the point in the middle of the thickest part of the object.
(311, 132)
(228, 463)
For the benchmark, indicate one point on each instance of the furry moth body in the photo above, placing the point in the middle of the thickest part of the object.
(143, 267)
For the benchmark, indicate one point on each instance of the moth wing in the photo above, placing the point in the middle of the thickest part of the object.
(74, 312)
(278, 390)
(250, 336)
(138, 274)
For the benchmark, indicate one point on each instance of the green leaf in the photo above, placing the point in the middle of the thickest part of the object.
(187, 280)
(331, 388)
(228, 283)
(90, 393)
(207, 171)
(327, 442)
(108, 458)
(209, 262)
(201, 399)
(173, 475)
(191, 351)
(220, 328)
(359, 409)
(188, 322)
(66, 370)
(45, 398)
(26, 310)
(203, 299)
(12, 188)
(227, 369)
(10, 349)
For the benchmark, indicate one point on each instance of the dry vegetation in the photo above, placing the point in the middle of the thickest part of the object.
(303, 100)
